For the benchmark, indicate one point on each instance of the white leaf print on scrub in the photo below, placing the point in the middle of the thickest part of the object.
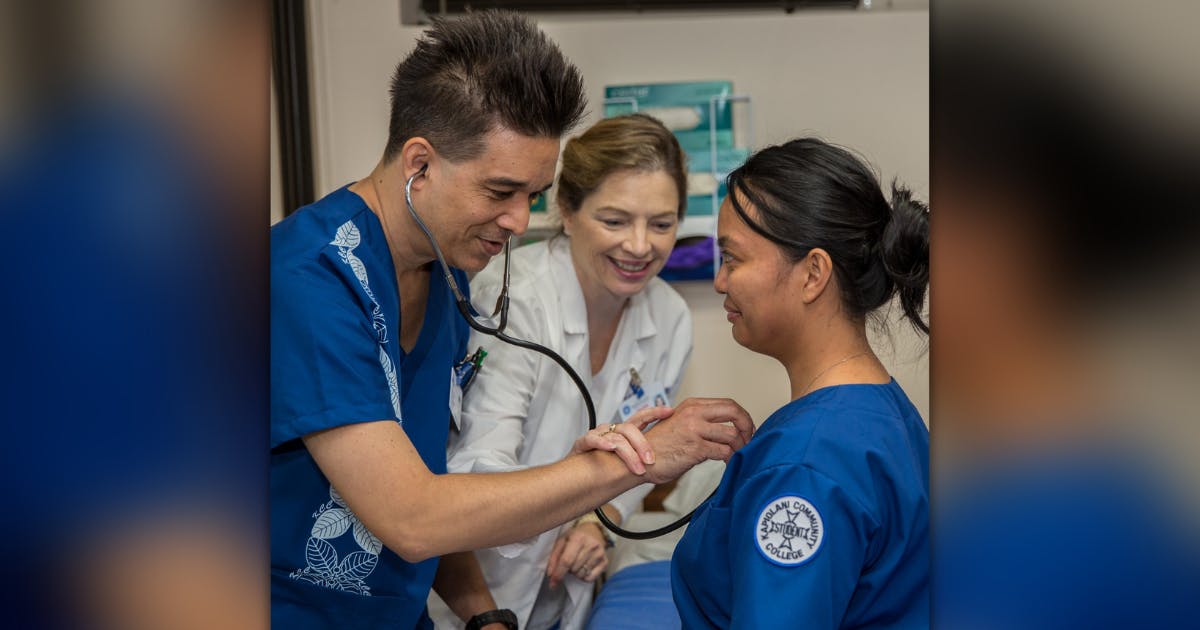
(332, 523)
(366, 539)
(324, 567)
(346, 240)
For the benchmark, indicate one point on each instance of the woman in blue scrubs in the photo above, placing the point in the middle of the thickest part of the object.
(821, 521)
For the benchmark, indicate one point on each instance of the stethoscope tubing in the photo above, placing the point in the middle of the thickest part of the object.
(464, 308)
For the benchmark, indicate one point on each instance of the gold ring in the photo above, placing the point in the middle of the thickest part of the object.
(612, 428)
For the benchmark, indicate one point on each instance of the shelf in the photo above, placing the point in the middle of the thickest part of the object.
(697, 226)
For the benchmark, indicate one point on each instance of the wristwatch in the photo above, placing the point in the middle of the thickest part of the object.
(503, 615)
(591, 517)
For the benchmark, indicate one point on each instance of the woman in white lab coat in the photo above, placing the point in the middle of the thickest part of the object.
(592, 295)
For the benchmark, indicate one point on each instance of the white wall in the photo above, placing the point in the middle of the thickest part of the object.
(859, 79)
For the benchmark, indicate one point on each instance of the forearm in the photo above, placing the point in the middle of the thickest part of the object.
(458, 512)
(419, 515)
(460, 583)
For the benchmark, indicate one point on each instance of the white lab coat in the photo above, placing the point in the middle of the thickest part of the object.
(523, 410)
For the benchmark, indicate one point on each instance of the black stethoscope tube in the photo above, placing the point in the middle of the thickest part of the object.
(464, 308)
(591, 410)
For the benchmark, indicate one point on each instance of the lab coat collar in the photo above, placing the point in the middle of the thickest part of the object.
(641, 328)
(640, 317)
(638, 320)
(566, 285)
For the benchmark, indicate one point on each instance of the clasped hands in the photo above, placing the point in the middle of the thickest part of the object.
(695, 430)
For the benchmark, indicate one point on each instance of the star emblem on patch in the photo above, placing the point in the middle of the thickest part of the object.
(789, 531)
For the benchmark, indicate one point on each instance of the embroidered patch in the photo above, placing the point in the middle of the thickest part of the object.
(789, 531)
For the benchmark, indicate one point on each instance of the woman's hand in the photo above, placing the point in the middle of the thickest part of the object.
(580, 552)
(625, 439)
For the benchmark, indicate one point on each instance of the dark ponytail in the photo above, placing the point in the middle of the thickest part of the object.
(905, 250)
(808, 193)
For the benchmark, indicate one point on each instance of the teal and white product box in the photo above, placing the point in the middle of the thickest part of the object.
(682, 107)
(701, 180)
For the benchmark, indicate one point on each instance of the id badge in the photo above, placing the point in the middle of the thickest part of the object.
(462, 374)
(456, 401)
(654, 395)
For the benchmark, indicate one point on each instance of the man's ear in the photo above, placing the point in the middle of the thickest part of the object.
(817, 268)
(416, 156)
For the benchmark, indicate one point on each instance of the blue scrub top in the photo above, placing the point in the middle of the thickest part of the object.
(1078, 535)
(336, 360)
(821, 521)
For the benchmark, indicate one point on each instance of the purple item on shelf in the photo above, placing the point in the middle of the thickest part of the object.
(691, 255)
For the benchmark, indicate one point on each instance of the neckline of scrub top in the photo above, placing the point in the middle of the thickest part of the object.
(815, 396)
(436, 293)
(891, 381)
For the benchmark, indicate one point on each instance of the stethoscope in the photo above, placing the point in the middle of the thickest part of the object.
(495, 326)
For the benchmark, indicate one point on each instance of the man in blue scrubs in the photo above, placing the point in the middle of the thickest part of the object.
(364, 337)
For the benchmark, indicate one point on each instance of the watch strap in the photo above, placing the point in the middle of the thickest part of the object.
(502, 615)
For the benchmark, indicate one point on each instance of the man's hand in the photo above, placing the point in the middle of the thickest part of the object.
(579, 551)
(699, 429)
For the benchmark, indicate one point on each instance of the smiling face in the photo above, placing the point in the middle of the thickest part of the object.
(623, 232)
(472, 206)
(759, 284)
